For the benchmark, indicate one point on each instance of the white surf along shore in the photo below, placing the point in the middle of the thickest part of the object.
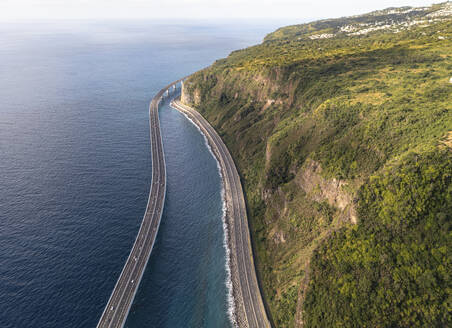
(230, 295)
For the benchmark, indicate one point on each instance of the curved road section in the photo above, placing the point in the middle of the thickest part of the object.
(250, 311)
(118, 306)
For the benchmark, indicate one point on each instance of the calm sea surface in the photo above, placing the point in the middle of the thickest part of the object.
(75, 173)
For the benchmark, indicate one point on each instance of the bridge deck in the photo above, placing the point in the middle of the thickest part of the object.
(118, 306)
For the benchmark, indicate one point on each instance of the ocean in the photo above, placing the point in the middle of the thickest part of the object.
(75, 172)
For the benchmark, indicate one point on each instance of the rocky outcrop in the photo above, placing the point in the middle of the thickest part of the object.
(333, 191)
(188, 97)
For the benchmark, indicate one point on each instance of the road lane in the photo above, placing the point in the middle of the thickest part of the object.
(250, 311)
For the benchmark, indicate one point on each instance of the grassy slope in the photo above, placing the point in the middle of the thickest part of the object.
(353, 106)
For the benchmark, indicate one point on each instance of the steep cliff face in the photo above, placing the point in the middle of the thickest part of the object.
(193, 97)
(310, 121)
(293, 207)
(333, 191)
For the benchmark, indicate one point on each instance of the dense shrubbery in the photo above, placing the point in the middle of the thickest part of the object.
(393, 269)
(287, 307)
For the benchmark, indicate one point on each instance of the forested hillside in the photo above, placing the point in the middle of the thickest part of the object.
(342, 132)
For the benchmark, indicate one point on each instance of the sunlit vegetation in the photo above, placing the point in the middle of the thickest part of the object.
(393, 269)
(375, 112)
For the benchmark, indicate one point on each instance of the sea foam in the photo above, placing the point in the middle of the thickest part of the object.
(230, 296)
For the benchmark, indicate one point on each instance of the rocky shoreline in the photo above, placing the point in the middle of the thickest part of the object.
(238, 314)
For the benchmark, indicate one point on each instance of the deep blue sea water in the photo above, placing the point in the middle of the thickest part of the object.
(75, 172)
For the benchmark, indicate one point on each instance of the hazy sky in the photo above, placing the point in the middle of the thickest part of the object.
(193, 9)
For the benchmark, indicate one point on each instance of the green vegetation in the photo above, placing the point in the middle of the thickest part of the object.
(333, 131)
(393, 269)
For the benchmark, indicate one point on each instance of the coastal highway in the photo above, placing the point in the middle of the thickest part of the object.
(249, 306)
(118, 306)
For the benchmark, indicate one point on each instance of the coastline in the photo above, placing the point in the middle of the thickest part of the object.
(242, 314)
(231, 310)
